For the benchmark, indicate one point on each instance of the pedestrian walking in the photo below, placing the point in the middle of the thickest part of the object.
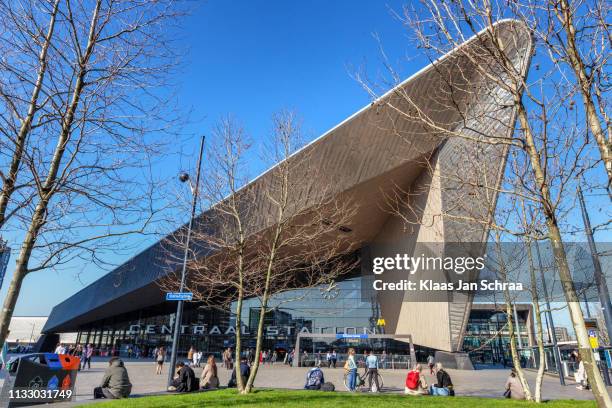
(160, 357)
(87, 354)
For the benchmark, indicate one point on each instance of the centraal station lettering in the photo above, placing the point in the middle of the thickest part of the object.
(205, 330)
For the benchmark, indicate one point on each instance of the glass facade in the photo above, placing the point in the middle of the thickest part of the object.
(345, 307)
(487, 339)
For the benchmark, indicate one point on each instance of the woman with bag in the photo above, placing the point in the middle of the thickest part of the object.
(351, 369)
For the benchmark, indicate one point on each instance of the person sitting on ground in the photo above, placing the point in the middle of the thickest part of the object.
(185, 379)
(245, 371)
(115, 383)
(314, 378)
(444, 385)
(415, 382)
(209, 379)
(514, 388)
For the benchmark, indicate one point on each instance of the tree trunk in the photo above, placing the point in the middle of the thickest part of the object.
(21, 270)
(264, 307)
(516, 361)
(539, 329)
(584, 346)
(238, 328)
(599, 390)
(258, 346)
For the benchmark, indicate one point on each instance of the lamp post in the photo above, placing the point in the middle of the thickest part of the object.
(184, 177)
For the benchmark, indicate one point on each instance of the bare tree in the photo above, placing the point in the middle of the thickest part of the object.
(283, 231)
(535, 300)
(504, 269)
(225, 229)
(83, 119)
(484, 74)
(305, 243)
(577, 34)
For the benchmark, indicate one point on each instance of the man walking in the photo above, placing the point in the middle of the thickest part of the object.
(87, 353)
(372, 371)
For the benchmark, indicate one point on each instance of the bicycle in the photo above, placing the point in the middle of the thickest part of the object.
(361, 381)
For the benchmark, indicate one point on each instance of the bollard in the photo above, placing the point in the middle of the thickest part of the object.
(565, 369)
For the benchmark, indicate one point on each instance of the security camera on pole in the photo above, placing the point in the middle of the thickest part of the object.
(184, 177)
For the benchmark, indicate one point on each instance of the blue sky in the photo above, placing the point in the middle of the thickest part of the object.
(252, 59)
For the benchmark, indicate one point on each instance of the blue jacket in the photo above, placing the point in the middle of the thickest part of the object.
(371, 361)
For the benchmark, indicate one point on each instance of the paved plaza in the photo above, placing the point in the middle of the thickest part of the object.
(482, 383)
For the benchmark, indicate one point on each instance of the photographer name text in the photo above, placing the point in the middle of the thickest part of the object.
(430, 285)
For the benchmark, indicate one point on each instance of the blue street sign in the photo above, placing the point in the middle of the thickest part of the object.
(592, 333)
(179, 296)
(351, 336)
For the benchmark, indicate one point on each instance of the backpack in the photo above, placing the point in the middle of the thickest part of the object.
(328, 387)
(314, 377)
(412, 380)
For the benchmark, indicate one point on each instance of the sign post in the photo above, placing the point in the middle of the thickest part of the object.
(179, 305)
